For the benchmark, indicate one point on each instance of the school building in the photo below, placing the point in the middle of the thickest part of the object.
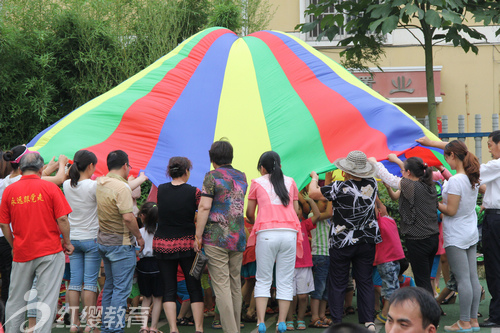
(465, 83)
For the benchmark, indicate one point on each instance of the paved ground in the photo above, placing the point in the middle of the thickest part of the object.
(452, 312)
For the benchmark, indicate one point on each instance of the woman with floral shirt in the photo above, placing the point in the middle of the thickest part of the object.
(353, 235)
(221, 228)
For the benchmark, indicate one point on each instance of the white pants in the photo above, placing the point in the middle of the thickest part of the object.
(275, 246)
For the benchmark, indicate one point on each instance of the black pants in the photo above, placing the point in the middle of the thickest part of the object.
(361, 255)
(5, 267)
(491, 250)
(421, 253)
(168, 271)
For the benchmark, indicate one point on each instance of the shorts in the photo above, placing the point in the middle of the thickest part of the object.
(149, 278)
(135, 291)
(389, 273)
(182, 291)
(205, 283)
(435, 266)
(452, 282)
(377, 280)
(248, 270)
(303, 281)
(320, 272)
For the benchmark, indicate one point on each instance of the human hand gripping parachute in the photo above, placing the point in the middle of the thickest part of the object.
(265, 91)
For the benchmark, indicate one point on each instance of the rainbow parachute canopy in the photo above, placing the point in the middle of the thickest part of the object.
(265, 91)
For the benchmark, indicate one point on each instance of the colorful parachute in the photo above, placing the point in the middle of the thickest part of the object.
(264, 91)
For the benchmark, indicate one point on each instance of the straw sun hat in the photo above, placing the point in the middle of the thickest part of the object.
(357, 165)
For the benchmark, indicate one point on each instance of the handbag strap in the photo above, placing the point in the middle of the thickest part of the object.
(199, 241)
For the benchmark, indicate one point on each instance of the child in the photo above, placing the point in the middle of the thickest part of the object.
(404, 280)
(321, 262)
(148, 273)
(303, 279)
(387, 254)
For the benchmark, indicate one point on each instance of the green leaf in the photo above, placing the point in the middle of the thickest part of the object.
(432, 18)
(439, 36)
(374, 25)
(474, 49)
(410, 9)
(390, 24)
(420, 14)
(397, 3)
(451, 16)
(306, 27)
(379, 11)
(465, 45)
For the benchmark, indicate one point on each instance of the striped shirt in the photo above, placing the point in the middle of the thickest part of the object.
(319, 244)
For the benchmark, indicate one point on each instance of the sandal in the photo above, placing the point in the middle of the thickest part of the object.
(450, 299)
(349, 311)
(317, 324)
(326, 320)
(249, 319)
(460, 328)
(370, 327)
(77, 328)
(216, 325)
(144, 330)
(301, 325)
(185, 321)
(290, 326)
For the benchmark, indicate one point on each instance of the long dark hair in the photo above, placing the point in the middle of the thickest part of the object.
(469, 160)
(419, 169)
(271, 161)
(150, 212)
(83, 158)
(13, 154)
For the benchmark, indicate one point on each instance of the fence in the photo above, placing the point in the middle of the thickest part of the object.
(461, 135)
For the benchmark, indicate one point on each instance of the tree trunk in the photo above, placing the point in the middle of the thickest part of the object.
(429, 80)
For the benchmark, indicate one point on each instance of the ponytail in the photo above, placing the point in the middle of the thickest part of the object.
(83, 158)
(13, 154)
(150, 212)
(271, 161)
(420, 170)
(469, 160)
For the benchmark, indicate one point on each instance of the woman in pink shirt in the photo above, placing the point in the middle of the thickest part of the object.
(276, 234)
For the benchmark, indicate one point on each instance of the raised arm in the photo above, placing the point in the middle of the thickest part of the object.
(314, 208)
(425, 141)
(314, 189)
(387, 177)
(393, 194)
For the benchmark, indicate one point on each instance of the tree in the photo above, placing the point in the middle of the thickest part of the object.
(57, 55)
(367, 21)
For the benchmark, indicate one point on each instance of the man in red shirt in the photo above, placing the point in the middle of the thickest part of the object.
(38, 213)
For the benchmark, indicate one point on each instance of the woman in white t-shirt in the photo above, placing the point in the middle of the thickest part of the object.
(460, 233)
(80, 191)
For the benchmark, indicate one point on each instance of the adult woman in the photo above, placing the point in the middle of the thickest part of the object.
(354, 233)
(460, 232)
(85, 261)
(278, 232)
(173, 240)
(221, 223)
(418, 208)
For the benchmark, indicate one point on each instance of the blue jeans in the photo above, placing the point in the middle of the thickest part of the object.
(119, 267)
(321, 265)
(84, 263)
